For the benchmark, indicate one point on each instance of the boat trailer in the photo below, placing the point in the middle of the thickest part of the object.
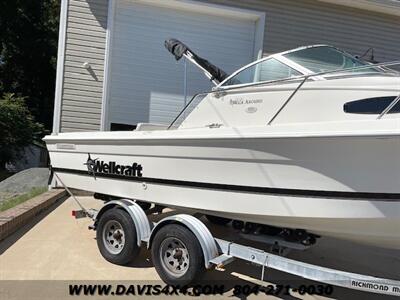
(213, 252)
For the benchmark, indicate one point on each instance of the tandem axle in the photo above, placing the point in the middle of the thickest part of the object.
(182, 248)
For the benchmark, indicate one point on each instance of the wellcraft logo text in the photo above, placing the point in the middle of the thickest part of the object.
(96, 167)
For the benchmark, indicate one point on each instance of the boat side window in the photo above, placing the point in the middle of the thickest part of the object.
(266, 70)
(371, 106)
(325, 59)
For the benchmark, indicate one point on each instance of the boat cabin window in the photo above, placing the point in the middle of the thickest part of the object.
(266, 70)
(371, 106)
(325, 59)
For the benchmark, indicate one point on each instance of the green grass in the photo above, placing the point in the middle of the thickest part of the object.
(14, 201)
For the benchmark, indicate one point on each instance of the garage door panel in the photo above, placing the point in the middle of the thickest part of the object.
(153, 13)
(235, 31)
(154, 39)
(145, 82)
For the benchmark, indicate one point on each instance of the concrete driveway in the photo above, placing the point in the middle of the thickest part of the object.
(57, 250)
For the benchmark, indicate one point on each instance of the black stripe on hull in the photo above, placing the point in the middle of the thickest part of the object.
(246, 188)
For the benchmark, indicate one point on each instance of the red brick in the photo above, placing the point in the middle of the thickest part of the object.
(14, 218)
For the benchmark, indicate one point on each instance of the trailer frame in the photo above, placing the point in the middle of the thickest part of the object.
(218, 252)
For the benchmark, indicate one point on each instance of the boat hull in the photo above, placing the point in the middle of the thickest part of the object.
(331, 186)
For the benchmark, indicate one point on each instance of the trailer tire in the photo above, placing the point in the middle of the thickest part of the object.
(116, 237)
(181, 265)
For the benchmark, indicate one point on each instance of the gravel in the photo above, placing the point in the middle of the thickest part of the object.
(23, 182)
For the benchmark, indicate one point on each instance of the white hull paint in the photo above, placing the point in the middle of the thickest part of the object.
(339, 161)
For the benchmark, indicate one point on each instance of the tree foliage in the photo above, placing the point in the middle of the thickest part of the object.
(28, 50)
(17, 128)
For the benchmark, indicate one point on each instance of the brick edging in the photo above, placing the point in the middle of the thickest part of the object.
(14, 218)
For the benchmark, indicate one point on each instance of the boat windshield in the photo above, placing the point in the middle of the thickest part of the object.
(265, 70)
(325, 59)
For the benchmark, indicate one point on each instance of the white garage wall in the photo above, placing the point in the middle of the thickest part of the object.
(145, 83)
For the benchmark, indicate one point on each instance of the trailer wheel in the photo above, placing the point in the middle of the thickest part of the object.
(116, 237)
(218, 220)
(177, 255)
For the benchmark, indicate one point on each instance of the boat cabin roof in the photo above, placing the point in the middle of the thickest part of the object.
(307, 60)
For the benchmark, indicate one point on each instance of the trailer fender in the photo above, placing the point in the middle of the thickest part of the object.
(139, 218)
(201, 232)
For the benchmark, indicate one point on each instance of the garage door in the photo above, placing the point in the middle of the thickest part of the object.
(145, 83)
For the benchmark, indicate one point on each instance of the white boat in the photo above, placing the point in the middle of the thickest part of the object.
(305, 139)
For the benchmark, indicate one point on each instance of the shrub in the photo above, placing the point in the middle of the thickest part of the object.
(17, 128)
